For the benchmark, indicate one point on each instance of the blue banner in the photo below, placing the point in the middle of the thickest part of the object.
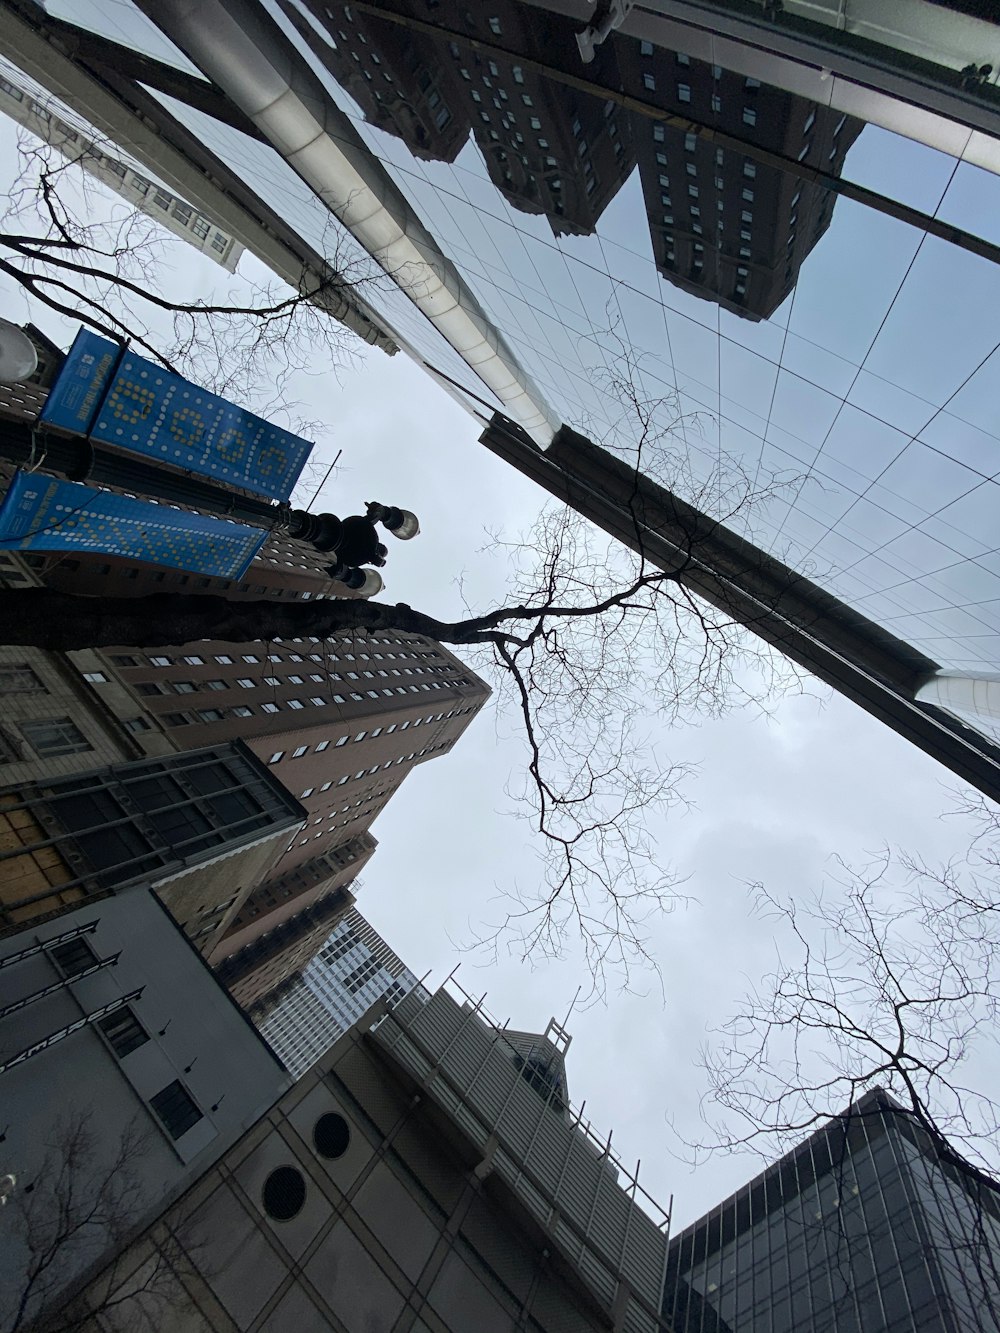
(107, 393)
(43, 514)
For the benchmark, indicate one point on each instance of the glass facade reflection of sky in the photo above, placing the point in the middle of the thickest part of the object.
(859, 1230)
(838, 356)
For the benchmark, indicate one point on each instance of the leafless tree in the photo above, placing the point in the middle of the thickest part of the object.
(888, 977)
(595, 649)
(79, 1207)
(80, 253)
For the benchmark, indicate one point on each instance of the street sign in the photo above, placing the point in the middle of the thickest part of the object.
(43, 514)
(107, 393)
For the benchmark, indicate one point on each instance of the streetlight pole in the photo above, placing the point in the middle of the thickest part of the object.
(352, 541)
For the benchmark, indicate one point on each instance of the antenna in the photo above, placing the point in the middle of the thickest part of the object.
(572, 1006)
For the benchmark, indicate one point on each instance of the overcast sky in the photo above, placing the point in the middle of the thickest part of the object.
(774, 799)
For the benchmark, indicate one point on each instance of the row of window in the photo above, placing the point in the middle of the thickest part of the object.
(173, 1104)
(317, 701)
(194, 659)
(302, 750)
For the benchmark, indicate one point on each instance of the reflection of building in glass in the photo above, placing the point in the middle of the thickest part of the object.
(550, 149)
(725, 226)
(866, 1227)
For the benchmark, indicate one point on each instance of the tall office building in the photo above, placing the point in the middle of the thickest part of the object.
(867, 1227)
(340, 723)
(352, 970)
(859, 405)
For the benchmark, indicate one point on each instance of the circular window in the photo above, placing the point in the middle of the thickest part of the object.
(331, 1135)
(284, 1193)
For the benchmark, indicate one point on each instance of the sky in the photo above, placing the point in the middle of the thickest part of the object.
(774, 798)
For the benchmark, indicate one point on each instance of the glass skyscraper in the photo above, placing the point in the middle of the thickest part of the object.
(867, 1227)
(781, 230)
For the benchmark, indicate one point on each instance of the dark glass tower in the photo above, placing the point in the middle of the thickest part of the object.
(866, 1227)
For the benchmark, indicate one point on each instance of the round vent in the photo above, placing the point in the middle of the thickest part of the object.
(284, 1193)
(331, 1135)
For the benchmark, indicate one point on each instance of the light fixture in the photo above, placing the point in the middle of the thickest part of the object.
(18, 358)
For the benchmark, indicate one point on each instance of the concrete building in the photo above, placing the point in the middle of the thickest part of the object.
(201, 828)
(353, 970)
(416, 1179)
(125, 1072)
(869, 1226)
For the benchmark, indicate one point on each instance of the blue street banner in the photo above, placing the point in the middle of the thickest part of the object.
(107, 393)
(44, 514)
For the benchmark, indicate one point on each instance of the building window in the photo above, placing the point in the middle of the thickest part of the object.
(123, 661)
(210, 714)
(137, 724)
(649, 82)
(53, 736)
(174, 1106)
(361, 975)
(277, 757)
(684, 92)
(124, 1032)
(299, 751)
(94, 678)
(750, 169)
(323, 745)
(20, 679)
(74, 956)
(176, 719)
(241, 710)
(269, 708)
(193, 660)
(284, 1193)
(160, 661)
(247, 657)
(223, 659)
(295, 703)
(749, 115)
(341, 740)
